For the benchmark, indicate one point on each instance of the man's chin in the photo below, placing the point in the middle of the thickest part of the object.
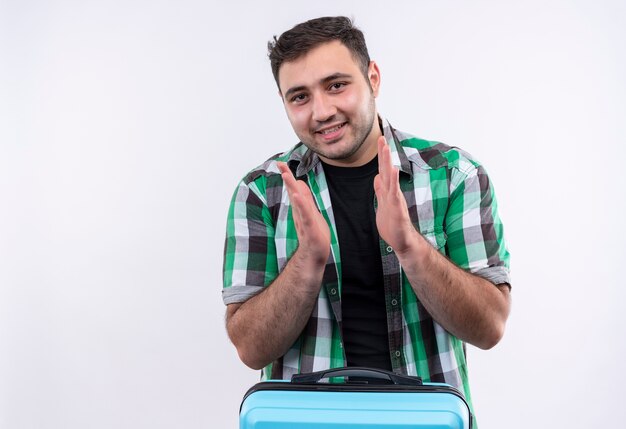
(345, 157)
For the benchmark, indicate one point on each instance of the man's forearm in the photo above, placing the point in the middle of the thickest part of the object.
(264, 327)
(468, 306)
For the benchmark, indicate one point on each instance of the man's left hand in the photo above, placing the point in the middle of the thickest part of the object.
(392, 215)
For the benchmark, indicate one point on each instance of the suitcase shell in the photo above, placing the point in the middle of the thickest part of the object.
(306, 403)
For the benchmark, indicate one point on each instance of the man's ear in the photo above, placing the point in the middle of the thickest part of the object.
(373, 74)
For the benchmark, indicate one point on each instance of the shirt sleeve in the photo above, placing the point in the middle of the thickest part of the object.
(249, 251)
(475, 236)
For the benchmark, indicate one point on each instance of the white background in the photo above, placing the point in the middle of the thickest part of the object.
(125, 126)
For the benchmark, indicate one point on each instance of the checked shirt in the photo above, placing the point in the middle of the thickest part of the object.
(450, 201)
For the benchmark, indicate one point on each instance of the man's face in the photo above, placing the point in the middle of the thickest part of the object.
(330, 104)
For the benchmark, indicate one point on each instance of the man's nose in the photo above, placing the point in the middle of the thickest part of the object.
(323, 108)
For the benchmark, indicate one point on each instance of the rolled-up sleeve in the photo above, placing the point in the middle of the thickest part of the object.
(475, 236)
(249, 250)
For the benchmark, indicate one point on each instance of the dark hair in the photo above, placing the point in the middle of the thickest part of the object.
(296, 42)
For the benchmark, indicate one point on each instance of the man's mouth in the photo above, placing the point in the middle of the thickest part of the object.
(334, 129)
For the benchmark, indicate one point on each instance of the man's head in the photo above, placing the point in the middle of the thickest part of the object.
(329, 91)
(303, 37)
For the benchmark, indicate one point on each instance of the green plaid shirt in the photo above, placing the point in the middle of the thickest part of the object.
(451, 202)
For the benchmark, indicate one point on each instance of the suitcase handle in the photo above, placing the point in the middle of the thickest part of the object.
(357, 371)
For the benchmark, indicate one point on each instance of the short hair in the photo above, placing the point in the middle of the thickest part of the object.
(298, 41)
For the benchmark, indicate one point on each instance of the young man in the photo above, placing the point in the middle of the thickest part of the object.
(361, 245)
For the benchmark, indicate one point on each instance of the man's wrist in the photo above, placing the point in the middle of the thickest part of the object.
(415, 253)
(307, 271)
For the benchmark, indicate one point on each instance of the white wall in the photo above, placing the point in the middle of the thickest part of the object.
(125, 125)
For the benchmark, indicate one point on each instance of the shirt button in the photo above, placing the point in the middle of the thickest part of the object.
(333, 291)
(394, 302)
(398, 353)
(389, 249)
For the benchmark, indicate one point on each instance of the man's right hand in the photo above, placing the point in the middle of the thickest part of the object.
(266, 325)
(311, 227)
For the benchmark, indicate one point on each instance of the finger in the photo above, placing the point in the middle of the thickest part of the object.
(307, 199)
(294, 186)
(292, 190)
(282, 166)
(288, 178)
(394, 185)
(303, 206)
(304, 217)
(387, 165)
(382, 164)
(296, 213)
(306, 204)
(392, 172)
(388, 169)
(299, 193)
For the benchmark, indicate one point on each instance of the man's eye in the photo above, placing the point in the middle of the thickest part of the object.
(298, 98)
(337, 85)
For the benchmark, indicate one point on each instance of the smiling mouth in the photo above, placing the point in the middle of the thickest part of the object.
(331, 130)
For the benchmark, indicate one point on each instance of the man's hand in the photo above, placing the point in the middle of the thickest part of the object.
(266, 325)
(311, 227)
(392, 215)
(470, 307)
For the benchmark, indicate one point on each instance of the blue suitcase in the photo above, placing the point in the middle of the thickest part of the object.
(368, 398)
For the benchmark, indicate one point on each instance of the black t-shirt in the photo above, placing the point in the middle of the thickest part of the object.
(362, 297)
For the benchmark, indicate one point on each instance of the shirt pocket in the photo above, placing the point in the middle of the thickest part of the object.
(436, 237)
